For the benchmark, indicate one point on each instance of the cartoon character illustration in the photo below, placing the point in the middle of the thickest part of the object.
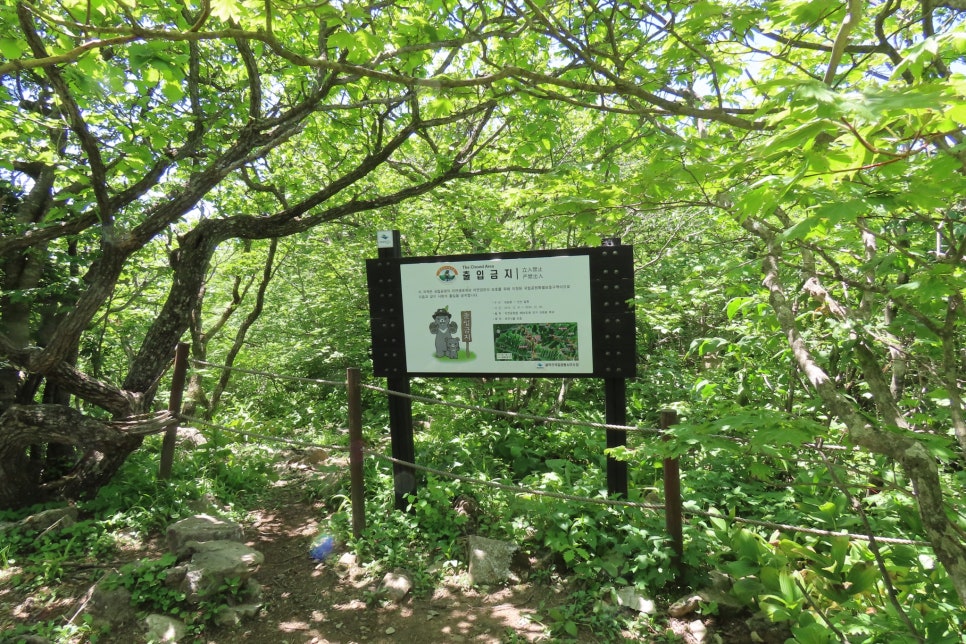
(444, 328)
(453, 347)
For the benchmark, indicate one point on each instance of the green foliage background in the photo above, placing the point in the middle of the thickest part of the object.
(789, 172)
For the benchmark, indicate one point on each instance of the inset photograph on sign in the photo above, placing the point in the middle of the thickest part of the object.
(556, 341)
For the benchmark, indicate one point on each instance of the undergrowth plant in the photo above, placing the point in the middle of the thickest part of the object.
(133, 507)
(832, 588)
(144, 579)
(44, 558)
(820, 587)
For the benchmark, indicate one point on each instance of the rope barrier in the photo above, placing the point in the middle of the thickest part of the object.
(280, 439)
(444, 403)
(475, 408)
(517, 489)
(484, 410)
(273, 376)
(530, 491)
(784, 527)
(512, 414)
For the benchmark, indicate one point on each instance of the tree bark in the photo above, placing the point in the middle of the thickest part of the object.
(246, 324)
(911, 455)
(129, 168)
(103, 447)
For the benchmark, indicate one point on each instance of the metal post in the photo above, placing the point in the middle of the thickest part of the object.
(400, 415)
(615, 413)
(356, 476)
(174, 406)
(401, 437)
(672, 499)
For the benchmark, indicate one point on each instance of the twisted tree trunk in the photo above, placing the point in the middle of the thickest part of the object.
(102, 446)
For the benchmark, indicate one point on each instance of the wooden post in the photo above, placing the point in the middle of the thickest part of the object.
(356, 476)
(174, 406)
(672, 499)
(401, 437)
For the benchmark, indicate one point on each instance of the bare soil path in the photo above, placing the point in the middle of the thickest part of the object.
(337, 601)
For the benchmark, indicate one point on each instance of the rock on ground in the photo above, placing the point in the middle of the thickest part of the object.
(201, 527)
(489, 560)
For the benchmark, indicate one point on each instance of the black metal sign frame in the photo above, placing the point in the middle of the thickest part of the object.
(611, 302)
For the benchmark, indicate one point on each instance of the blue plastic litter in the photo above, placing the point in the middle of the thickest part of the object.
(321, 548)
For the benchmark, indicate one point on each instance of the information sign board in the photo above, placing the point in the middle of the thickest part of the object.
(549, 313)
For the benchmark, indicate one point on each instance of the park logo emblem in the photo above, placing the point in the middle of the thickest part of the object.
(446, 273)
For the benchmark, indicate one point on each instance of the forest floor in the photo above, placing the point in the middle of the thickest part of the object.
(337, 600)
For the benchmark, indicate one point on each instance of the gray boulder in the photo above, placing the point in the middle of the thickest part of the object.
(110, 603)
(161, 628)
(234, 615)
(489, 560)
(213, 563)
(629, 597)
(396, 585)
(56, 518)
(201, 527)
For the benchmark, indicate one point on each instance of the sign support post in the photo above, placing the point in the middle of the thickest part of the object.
(400, 406)
(615, 413)
(548, 313)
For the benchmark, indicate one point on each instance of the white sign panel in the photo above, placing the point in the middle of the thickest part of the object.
(384, 239)
(525, 316)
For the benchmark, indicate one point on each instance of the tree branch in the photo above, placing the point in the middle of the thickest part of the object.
(98, 176)
(118, 402)
(917, 462)
(851, 20)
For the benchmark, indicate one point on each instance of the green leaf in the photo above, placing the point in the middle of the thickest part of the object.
(800, 138)
(813, 633)
(746, 544)
(11, 48)
(174, 92)
(862, 577)
(761, 199)
(840, 549)
(793, 549)
(747, 590)
(916, 58)
(742, 568)
(875, 103)
(342, 39)
(737, 304)
(760, 470)
(360, 45)
(825, 217)
(791, 593)
(776, 611)
(224, 9)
